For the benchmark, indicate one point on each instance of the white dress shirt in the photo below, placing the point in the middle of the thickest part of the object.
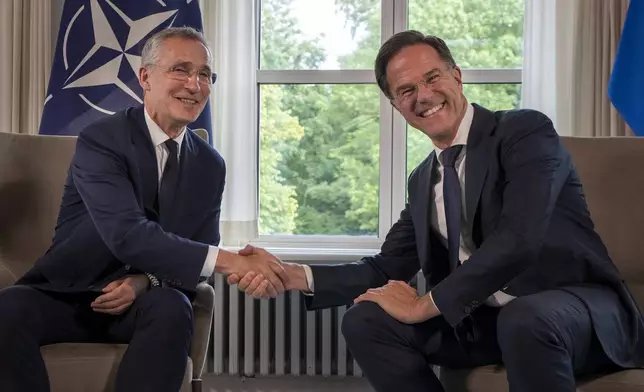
(438, 221)
(158, 139)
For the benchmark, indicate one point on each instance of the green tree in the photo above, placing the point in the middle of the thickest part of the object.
(280, 131)
(277, 199)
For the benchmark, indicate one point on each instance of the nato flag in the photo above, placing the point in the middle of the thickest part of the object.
(98, 54)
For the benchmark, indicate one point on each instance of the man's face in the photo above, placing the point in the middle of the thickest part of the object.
(177, 86)
(427, 91)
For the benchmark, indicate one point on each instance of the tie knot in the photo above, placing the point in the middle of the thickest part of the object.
(173, 146)
(449, 155)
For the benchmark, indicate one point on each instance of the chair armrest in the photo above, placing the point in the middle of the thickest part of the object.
(7, 278)
(202, 306)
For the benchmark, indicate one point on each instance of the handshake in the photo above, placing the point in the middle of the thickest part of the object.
(262, 275)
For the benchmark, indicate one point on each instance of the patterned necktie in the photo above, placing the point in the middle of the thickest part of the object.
(169, 181)
(452, 201)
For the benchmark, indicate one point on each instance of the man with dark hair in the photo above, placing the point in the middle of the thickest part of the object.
(497, 222)
(137, 230)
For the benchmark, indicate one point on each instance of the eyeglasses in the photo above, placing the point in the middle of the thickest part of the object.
(183, 74)
(409, 92)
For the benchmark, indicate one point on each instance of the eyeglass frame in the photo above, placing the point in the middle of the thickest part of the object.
(181, 78)
(433, 73)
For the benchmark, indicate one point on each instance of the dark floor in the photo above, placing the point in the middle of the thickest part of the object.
(212, 383)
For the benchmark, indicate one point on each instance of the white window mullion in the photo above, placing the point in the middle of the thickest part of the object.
(399, 130)
(316, 76)
(387, 137)
(490, 76)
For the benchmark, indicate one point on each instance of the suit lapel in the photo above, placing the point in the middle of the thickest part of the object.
(147, 160)
(477, 161)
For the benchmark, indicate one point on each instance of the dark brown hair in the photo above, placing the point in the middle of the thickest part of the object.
(401, 40)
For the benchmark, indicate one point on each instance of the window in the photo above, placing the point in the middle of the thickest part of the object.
(334, 155)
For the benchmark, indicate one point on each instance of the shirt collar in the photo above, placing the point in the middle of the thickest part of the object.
(463, 131)
(158, 136)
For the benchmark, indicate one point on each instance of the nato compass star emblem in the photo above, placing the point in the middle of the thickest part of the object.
(110, 72)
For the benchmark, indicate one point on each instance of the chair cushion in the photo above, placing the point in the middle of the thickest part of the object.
(78, 367)
(494, 379)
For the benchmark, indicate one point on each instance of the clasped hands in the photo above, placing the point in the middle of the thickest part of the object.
(119, 295)
(264, 275)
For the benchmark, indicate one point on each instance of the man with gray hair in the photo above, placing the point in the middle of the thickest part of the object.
(138, 228)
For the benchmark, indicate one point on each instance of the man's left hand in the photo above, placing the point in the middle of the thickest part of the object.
(120, 294)
(401, 302)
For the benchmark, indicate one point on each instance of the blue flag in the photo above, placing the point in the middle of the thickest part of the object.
(626, 87)
(98, 54)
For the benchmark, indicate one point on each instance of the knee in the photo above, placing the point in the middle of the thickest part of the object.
(524, 323)
(15, 316)
(361, 320)
(167, 307)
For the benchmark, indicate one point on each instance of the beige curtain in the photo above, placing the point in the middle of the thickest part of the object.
(598, 30)
(25, 63)
(228, 29)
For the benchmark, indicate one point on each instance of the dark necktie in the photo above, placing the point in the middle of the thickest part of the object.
(452, 201)
(169, 181)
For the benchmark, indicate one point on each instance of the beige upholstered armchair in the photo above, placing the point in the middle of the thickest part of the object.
(33, 169)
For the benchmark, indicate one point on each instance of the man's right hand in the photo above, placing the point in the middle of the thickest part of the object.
(293, 278)
(265, 272)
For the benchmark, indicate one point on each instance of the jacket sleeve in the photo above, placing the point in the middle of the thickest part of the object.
(339, 284)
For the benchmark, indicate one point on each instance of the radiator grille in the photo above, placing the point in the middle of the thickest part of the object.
(278, 336)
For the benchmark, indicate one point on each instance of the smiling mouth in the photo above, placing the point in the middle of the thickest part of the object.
(188, 101)
(432, 111)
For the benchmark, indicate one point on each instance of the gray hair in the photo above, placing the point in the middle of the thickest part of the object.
(150, 52)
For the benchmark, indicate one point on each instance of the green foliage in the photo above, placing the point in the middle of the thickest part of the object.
(319, 158)
(278, 130)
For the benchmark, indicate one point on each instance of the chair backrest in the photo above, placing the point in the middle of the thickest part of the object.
(202, 133)
(612, 173)
(33, 169)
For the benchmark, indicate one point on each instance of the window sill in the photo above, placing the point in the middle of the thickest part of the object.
(314, 255)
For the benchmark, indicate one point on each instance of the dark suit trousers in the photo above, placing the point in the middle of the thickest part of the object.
(543, 340)
(158, 327)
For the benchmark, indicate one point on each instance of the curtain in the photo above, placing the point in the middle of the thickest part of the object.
(569, 49)
(599, 28)
(26, 58)
(229, 29)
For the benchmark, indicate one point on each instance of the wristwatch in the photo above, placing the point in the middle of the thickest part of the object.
(154, 282)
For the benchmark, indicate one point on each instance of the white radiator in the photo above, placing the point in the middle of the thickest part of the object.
(278, 336)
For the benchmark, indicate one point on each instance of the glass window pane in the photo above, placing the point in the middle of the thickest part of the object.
(491, 96)
(318, 163)
(479, 33)
(319, 34)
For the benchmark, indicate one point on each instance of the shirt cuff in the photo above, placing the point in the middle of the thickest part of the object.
(309, 278)
(433, 303)
(211, 259)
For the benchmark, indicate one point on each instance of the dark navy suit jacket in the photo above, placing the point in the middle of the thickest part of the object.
(532, 228)
(107, 225)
